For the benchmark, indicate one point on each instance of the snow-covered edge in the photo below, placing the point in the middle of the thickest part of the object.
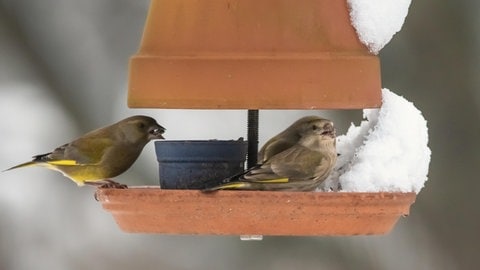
(388, 152)
(376, 21)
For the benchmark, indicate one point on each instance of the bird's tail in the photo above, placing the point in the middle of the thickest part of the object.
(26, 164)
(231, 185)
(247, 185)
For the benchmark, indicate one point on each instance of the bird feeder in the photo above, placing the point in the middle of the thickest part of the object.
(248, 54)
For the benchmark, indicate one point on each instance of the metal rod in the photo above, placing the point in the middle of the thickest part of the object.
(252, 138)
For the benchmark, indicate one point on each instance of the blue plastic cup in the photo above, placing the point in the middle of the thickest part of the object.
(198, 164)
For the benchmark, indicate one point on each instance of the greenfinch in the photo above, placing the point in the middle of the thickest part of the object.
(102, 153)
(298, 159)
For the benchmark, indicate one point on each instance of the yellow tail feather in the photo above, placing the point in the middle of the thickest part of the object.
(233, 185)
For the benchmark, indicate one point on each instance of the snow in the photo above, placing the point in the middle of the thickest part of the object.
(387, 152)
(376, 21)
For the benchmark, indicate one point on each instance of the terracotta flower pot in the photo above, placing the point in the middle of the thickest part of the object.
(249, 54)
(152, 210)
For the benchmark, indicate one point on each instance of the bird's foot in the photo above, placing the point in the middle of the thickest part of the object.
(107, 183)
(112, 184)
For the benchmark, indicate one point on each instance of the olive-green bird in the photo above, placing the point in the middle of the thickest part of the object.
(298, 159)
(102, 153)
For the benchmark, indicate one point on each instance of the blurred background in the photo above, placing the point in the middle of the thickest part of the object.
(63, 71)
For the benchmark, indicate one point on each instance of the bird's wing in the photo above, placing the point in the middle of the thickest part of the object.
(246, 176)
(297, 162)
(273, 148)
(82, 151)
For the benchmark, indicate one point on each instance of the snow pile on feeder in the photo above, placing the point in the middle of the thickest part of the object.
(376, 21)
(387, 152)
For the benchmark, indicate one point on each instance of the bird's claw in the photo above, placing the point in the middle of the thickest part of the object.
(113, 185)
(108, 184)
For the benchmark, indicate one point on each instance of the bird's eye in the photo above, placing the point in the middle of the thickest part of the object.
(314, 127)
(141, 125)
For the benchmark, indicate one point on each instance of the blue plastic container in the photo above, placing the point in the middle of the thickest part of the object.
(198, 164)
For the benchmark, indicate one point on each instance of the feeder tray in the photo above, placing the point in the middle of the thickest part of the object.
(249, 54)
(153, 210)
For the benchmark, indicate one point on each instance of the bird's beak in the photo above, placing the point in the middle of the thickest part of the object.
(329, 130)
(156, 133)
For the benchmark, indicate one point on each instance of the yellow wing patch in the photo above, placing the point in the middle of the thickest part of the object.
(278, 180)
(241, 185)
(63, 162)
